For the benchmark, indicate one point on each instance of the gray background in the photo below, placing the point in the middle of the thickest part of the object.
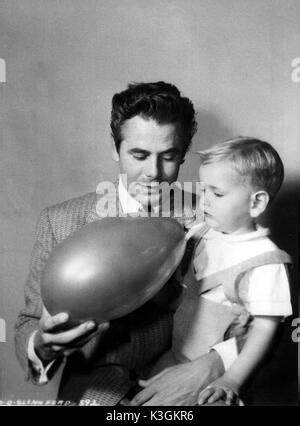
(65, 59)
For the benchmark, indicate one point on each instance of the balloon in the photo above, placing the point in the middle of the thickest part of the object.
(111, 267)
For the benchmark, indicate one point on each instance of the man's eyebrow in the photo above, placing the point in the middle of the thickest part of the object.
(171, 151)
(144, 151)
(138, 151)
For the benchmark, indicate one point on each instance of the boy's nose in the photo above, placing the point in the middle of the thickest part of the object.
(206, 201)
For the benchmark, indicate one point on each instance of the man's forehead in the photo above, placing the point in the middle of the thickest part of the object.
(147, 134)
(146, 124)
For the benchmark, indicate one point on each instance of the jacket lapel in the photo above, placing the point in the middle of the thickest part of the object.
(110, 201)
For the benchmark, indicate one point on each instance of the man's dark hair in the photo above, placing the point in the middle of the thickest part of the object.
(158, 101)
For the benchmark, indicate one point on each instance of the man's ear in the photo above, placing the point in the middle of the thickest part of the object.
(114, 152)
(258, 203)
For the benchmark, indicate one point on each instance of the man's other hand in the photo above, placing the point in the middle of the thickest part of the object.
(53, 339)
(180, 385)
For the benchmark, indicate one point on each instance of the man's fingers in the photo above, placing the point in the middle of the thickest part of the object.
(68, 352)
(148, 382)
(57, 348)
(143, 396)
(49, 323)
(103, 327)
(151, 402)
(77, 343)
(66, 337)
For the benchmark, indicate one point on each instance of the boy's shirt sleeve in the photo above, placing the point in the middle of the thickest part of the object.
(268, 291)
(228, 352)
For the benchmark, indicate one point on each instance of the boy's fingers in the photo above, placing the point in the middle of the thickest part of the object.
(204, 395)
(218, 394)
(230, 397)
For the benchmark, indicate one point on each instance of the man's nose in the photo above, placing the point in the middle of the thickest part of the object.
(153, 168)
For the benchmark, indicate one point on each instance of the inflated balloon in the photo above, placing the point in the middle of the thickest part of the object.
(111, 267)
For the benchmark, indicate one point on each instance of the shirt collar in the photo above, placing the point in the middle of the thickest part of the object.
(128, 203)
(259, 232)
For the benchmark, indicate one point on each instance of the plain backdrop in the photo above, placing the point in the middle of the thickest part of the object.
(66, 58)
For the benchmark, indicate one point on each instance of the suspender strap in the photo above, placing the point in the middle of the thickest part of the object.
(194, 237)
(234, 273)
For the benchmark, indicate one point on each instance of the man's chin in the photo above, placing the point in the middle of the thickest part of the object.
(153, 200)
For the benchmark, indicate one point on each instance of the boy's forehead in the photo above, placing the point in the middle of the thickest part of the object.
(220, 172)
(225, 168)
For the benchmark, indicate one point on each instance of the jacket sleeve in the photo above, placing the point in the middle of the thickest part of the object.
(28, 319)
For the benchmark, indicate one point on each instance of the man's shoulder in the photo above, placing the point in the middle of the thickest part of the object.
(79, 204)
(68, 216)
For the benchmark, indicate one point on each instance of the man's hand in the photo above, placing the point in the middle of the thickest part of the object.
(51, 343)
(180, 385)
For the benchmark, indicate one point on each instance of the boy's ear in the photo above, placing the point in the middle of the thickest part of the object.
(114, 152)
(258, 203)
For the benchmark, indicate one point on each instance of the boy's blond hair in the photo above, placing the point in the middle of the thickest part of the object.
(255, 160)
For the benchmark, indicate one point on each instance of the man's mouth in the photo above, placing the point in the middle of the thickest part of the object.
(150, 188)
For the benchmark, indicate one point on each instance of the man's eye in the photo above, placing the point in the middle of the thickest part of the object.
(169, 157)
(140, 157)
(218, 194)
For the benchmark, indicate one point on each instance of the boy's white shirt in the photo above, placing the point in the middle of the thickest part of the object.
(226, 350)
(268, 285)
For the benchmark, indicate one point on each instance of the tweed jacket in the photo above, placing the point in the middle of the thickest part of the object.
(107, 367)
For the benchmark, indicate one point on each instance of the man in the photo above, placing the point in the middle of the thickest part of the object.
(152, 128)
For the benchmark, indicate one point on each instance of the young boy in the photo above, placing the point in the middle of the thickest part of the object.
(237, 286)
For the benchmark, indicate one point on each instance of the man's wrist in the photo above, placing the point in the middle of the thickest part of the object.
(43, 356)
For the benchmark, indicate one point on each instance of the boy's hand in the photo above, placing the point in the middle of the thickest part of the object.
(221, 389)
(53, 341)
